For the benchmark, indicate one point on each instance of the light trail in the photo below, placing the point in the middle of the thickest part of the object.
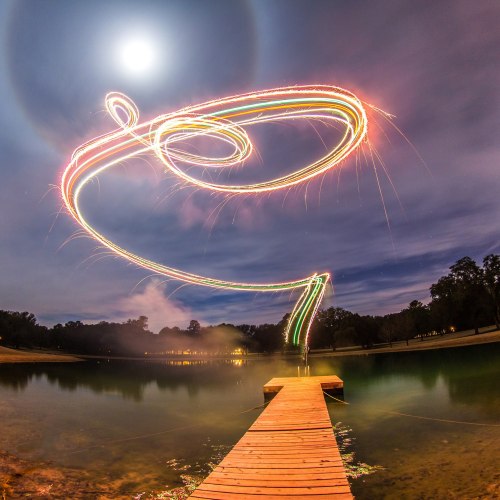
(224, 120)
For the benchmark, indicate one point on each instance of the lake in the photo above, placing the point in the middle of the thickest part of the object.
(144, 428)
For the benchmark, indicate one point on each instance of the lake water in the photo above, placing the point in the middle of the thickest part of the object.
(148, 427)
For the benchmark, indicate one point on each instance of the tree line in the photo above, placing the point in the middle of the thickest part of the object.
(468, 297)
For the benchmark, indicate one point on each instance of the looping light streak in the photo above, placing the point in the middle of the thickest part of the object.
(225, 120)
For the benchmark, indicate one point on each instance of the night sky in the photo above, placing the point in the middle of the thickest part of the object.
(434, 65)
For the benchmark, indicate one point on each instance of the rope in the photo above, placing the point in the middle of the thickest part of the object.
(440, 419)
(174, 429)
(421, 416)
(336, 399)
(167, 431)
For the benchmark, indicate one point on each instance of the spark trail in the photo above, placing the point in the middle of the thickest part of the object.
(223, 120)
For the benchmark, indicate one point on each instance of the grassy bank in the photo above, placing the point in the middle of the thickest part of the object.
(16, 356)
(458, 339)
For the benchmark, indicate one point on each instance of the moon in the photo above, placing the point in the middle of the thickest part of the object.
(137, 55)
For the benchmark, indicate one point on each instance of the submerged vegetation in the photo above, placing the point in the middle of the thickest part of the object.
(467, 297)
(353, 467)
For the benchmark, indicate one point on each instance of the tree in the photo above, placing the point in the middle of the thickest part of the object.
(141, 323)
(420, 316)
(367, 329)
(491, 272)
(168, 332)
(270, 338)
(461, 295)
(405, 325)
(471, 290)
(327, 328)
(389, 328)
(248, 331)
(194, 328)
(397, 326)
(19, 329)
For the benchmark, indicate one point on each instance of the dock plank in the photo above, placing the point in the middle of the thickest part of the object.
(290, 451)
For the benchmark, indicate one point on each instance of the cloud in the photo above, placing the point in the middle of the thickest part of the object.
(152, 302)
(191, 214)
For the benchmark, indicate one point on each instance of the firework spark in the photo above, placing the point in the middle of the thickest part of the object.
(224, 120)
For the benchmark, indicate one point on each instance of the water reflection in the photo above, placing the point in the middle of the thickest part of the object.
(127, 378)
(120, 416)
(467, 373)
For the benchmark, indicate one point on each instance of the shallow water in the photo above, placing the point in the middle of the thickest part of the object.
(143, 426)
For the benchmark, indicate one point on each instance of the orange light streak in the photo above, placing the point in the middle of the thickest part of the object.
(221, 119)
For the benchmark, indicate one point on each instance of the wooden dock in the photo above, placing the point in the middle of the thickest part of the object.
(288, 452)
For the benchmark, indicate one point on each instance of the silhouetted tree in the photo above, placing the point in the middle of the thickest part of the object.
(194, 328)
(460, 297)
(270, 338)
(327, 327)
(491, 271)
(420, 318)
(389, 328)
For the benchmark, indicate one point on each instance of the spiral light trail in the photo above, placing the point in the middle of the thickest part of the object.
(225, 120)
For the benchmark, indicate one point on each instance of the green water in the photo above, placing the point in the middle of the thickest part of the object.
(142, 426)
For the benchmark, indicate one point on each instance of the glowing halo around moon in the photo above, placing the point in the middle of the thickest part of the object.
(222, 119)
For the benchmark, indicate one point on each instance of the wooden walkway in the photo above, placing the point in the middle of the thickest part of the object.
(289, 451)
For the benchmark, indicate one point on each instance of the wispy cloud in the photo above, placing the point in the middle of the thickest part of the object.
(152, 302)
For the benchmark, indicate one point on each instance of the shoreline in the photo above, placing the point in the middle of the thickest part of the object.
(458, 339)
(36, 478)
(8, 355)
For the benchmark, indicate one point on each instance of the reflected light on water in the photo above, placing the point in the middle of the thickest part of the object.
(111, 411)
